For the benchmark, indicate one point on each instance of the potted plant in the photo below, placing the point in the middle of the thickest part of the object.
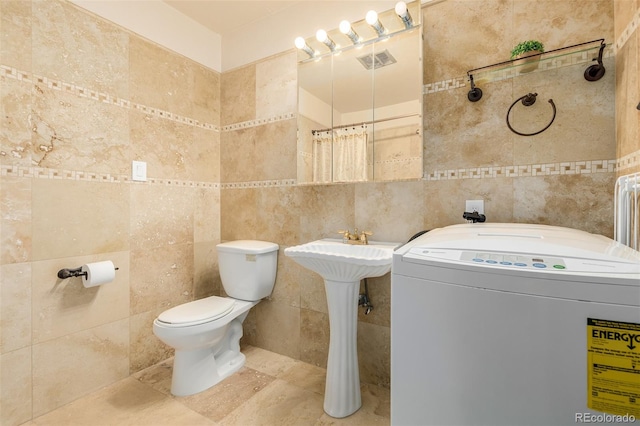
(526, 55)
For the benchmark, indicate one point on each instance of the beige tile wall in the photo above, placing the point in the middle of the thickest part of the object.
(79, 100)
(88, 97)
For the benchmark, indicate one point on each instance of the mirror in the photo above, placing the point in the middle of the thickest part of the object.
(360, 107)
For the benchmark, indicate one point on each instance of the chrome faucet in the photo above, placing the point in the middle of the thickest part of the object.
(355, 238)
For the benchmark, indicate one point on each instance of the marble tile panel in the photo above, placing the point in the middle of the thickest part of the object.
(206, 273)
(498, 196)
(326, 209)
(205, 98)
(279, 403)
(623, 13)
(238, 215)
(238, 95)
(576, 201)
(145, 349)
(161, 277)
(457, 26)
(274, 326)
(277, 85)
(74, 365)
(462, 134)
(559, 24)
(65, 40)
(314, 337)
(584, 127)
(15, 387)
(267, 362)
(128, 402)
(306, 376)
(15, 34)
(275, 148)
(15, 131)
(204, 156)
(374, 354)
(15, 306)
(161, 215)
(627, 96)
(278, 218)
(217, 402)
(239, 158)
(158, 376)
(75, 218)
(78, 133)
(62, 307)
(165, 145)
(162, 79)
(286, 289)
(15, 218)
(206, 215)
(392, 211)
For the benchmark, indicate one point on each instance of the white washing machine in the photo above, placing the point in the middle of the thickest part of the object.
(514, 324)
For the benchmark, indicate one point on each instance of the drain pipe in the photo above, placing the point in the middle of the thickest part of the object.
(363, 299)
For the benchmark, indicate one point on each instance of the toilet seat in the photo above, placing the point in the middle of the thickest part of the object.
(197, 312)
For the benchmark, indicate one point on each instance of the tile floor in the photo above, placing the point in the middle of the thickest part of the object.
(271, 389)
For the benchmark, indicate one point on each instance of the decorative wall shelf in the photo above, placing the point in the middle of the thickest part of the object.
(570, 55)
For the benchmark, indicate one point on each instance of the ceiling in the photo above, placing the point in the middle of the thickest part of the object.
(225, 17)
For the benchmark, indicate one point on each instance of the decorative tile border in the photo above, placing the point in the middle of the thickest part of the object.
(629, 30)
(62, 174)
(528, 170)
(629, 161)
(84, 92)
(259, 122)
(259, 184)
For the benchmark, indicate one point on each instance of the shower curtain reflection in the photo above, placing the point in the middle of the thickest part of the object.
(345, 153)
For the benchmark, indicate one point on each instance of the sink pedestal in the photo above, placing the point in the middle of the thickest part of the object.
(342, 389)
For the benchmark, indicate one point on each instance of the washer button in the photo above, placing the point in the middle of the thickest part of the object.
(539, 265)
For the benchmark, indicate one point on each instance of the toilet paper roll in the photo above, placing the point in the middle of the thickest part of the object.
(98, 273)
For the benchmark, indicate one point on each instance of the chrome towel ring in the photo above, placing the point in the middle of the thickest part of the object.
(528, 100)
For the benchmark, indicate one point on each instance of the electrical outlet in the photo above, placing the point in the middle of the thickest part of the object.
(474, 206)
(139, 171)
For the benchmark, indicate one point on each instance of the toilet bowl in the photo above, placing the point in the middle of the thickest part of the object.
(206, 333)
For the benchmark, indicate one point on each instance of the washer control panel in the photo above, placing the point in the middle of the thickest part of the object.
(515, 261)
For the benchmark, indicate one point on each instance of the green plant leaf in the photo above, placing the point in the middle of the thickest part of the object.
(527, 46)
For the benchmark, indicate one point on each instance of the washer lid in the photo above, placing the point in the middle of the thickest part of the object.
(198, 311)
(247, 246)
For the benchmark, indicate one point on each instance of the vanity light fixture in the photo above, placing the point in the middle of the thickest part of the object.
(323, 37)
(302, 45)
(372, 19)
(345, 28)
(403, 14)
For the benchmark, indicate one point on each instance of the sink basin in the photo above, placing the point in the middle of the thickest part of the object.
(343, 266)
(336, 261)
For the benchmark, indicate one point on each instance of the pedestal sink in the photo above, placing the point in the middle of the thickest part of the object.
(343, 266)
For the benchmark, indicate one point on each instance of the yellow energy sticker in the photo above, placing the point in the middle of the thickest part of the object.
(613, 367)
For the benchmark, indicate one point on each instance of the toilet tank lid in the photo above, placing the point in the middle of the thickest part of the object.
(247, 246)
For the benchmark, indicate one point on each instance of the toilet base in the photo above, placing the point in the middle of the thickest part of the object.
(199, 369)
(196, 371)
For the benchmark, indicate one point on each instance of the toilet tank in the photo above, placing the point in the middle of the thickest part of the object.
(248, 268)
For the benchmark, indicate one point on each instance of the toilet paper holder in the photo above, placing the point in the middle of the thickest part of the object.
(76, 272)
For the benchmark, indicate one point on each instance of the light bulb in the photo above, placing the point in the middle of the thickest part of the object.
(300, 42)
(345, 27)
(401, 9)
(321, 36)
(372, 17)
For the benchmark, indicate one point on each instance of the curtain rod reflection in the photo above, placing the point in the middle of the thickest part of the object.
(344, 126)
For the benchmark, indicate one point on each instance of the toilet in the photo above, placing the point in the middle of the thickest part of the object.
(206, 333)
